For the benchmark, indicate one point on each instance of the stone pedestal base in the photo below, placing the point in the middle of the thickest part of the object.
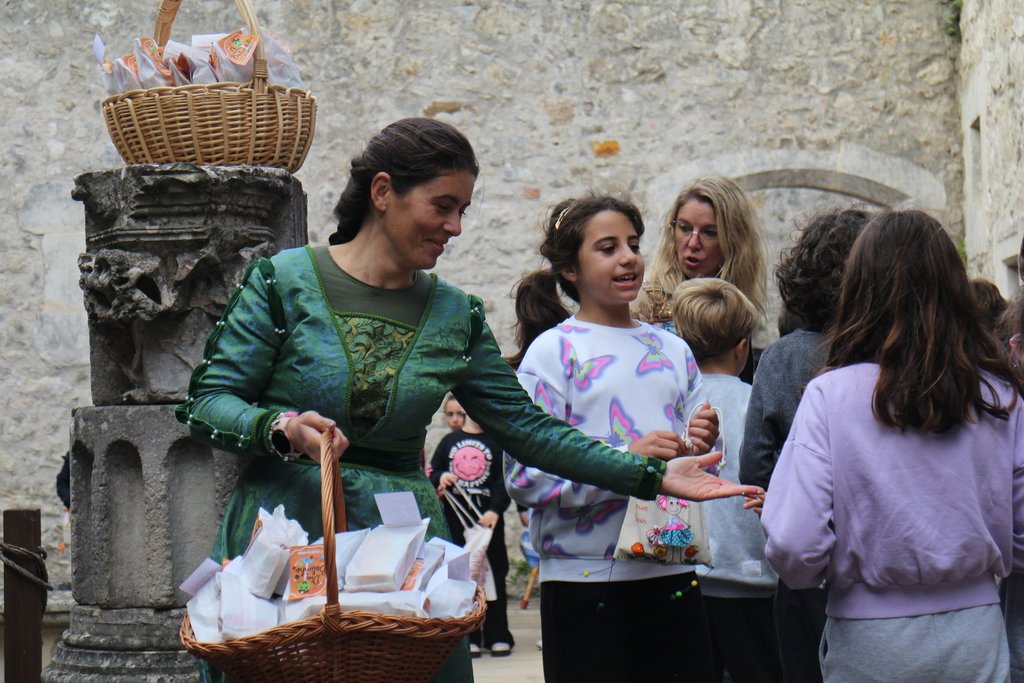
(122, 645)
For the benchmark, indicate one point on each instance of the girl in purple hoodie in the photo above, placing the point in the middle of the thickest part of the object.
(901, 484)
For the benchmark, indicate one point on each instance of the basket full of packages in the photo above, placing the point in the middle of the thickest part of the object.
(368, 605)
(225, 100)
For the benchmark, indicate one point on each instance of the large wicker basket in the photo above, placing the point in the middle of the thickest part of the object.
(220, 124)
(351, 646)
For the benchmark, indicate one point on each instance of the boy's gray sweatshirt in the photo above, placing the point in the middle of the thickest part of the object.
(782, 375)
(737, 540)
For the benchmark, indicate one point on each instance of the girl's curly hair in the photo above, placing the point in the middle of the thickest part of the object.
(810, 272)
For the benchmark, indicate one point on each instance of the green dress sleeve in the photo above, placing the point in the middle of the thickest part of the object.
(237, 363)
(492, 395)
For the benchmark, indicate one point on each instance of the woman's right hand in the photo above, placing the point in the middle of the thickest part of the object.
(304, 430)
(660, 444)
(686, 478)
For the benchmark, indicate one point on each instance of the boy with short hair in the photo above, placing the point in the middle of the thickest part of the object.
(716, 321)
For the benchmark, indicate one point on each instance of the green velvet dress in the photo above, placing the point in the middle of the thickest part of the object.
(285, 343)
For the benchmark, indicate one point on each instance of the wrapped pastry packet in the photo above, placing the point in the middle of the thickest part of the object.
(400, 603)
(385, 557)
(99, 51)
(427, 562)
(267, 555)
(189, 65)
(448, 597)
(152, 69)
(241, 612)
(307, 572)
(126, 74)
(281, 70)
(204, 611)
(232, 57)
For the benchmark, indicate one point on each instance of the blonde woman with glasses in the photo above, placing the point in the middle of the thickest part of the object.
(711, 231)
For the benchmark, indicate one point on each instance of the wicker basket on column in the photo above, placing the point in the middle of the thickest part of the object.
(219, 124)
(350, 646)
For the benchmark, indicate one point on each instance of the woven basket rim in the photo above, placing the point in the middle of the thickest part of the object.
(199, 88)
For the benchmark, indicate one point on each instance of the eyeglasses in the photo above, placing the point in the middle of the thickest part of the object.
(705, 236)
(450, 413)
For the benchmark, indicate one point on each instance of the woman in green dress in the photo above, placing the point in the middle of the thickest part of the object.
(357, 336)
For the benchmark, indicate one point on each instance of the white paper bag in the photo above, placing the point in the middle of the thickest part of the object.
(427, 562)
(400, 603)
(450, 598)
(293, 610)
(204, 611)
(345, 546)
(384, 558)
(241, 612)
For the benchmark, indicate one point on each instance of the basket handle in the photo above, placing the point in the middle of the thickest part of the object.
(332, 504)
(169, 10)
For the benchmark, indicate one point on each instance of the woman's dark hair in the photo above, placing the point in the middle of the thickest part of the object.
(538, 304)
(810, 273)
(412, 152)
(991, 305)
(906, 304)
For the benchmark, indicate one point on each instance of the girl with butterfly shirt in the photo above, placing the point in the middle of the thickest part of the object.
(627, 384)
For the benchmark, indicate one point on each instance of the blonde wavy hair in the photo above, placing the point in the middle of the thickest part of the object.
(739, 234)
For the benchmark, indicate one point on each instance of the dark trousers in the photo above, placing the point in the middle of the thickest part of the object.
(495, 628)
(800, 623)
(743, 639)
(650, 630)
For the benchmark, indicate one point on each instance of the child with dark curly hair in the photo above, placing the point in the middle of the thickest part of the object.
(808, 276)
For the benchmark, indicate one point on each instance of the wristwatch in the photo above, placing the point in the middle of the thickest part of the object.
(279, 440)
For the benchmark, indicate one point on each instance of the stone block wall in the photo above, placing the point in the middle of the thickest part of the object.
(557, 97)
(992, 130)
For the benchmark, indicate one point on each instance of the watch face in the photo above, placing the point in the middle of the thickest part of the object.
(470, 461)
(280, 442)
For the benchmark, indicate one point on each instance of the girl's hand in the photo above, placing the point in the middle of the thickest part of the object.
(304, 433)
(660, 444)
(489, 519)
(686, 478)
(447, 479)
(703, 430)
(755, 503)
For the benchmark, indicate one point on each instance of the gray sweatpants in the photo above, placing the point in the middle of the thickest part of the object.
(965, 646)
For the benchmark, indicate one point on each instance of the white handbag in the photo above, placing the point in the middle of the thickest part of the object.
(667, 530)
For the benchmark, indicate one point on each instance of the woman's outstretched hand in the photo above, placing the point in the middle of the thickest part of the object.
(686, 478)
(304, 433)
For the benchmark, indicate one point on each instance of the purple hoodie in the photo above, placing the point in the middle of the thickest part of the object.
(900, 523)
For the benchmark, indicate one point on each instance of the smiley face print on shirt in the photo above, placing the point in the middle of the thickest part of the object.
(470, 461)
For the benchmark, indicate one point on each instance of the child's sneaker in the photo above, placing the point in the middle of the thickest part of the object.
(501, 650)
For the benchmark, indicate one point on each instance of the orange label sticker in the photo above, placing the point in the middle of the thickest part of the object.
(307, 572)
(238, 47)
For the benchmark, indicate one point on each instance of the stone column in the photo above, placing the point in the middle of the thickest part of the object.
(166, 246)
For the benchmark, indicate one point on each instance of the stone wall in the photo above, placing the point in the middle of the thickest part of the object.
(812, 102)
(992, 129)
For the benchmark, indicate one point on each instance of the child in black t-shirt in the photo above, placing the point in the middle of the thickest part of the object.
(468, 458)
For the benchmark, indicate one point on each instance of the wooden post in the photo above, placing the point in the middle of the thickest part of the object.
(23, 602)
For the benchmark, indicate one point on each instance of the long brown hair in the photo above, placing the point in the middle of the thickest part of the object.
(906, 304)
(538, 304)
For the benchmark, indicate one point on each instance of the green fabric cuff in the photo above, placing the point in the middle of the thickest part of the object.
(652, 471)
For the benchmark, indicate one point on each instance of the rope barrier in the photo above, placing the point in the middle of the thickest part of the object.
(9, 553)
